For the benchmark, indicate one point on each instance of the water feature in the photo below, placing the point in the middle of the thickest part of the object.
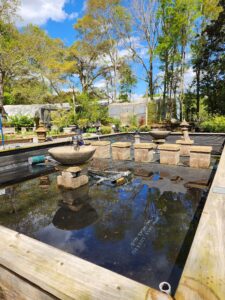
(142, 230)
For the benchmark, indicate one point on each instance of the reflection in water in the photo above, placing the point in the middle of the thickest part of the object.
(139, 230)
(75, 212)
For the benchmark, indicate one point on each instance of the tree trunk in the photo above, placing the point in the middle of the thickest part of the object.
(198, 91)
(151, 91)
(165, 85)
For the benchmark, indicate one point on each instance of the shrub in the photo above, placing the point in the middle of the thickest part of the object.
(133, 121)
(132, 128)
(216, 124)
(19, 121)
(105, 129)
(123, 129)
(91, 130)
(62, 118)
(144, 128)
(116, 122)
(83, 123)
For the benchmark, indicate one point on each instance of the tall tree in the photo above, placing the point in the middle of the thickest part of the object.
(146, 25)
(209, 10)
(100, 28)
(212, 61)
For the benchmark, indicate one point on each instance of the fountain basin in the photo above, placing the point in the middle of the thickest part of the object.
(67, 155)
(159, 134)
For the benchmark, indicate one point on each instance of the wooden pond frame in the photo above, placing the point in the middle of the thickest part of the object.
(30, 269)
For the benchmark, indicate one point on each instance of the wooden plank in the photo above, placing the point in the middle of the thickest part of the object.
(65, 276)
(204, 273)
(14, 287)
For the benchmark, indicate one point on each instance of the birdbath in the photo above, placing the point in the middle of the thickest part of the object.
(159, 136)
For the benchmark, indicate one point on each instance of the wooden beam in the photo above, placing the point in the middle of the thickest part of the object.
(204, 272)
(65, 276)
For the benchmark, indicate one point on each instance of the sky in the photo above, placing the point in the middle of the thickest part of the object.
(57, 18)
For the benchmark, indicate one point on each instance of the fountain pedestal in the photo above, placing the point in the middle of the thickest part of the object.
(102, 149)
(71, 178)
(143, 152)
(121, 151)
(200, 156)
(169, 154)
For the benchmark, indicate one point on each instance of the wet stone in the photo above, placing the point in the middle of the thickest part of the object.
(142, 172)
(99, 164)
(176, 179)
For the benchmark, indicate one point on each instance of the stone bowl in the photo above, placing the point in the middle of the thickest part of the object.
(67, 155)
(159, 134)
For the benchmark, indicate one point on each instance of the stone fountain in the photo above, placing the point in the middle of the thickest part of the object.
(159, 136)
(71, 155)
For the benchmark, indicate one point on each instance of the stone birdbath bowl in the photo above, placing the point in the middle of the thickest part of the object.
(69, 155)
(159, 136)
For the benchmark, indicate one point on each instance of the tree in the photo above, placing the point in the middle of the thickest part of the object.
(212, 61)
(209, 10)
(127, 81)
(146, 25)
(7, 34)
(100, 29)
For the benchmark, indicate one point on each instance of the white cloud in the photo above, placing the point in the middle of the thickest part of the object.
(100, 84)
(40, 11)
(73, 16)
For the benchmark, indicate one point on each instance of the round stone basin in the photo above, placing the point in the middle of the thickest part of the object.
(159, 134)
(67, 155)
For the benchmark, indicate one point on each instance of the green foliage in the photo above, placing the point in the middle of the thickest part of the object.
(90, 109)
(19, 121)
(123, 129)
(127, 82)
(83, 123)
(144, 128)
(133, 122)
(152, 112)
(91, 130)
(105, 129)
(216, 124)
(116, 122)
(62, 118)
(132, 128)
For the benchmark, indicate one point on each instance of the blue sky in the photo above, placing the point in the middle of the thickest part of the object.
(57, 18)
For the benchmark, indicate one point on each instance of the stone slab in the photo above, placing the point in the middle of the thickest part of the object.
(144, 146)
(121, 145)
(100, 143)
(169, 147)
(201, 149)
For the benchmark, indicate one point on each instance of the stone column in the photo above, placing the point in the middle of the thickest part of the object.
(169, 154)
(143, 152)
(200, 157)
(102, 149)
(121, 151)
